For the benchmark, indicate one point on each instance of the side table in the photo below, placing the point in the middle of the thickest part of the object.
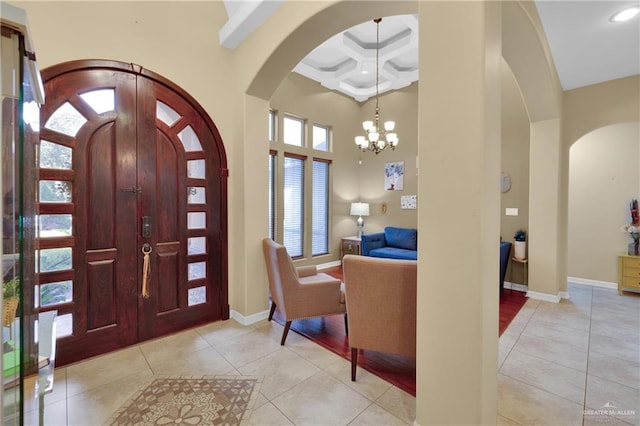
(350, 245)
(525, 272)
(628, 272)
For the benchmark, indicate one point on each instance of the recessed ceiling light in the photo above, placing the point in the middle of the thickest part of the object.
(626, 14)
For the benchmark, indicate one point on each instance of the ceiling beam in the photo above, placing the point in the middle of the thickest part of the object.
(244, 17)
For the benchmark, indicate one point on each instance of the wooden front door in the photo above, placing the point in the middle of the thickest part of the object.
(145, 188)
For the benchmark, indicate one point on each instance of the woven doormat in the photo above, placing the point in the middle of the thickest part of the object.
(212, 400)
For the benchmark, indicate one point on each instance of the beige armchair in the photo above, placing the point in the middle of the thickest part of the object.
(300, 292)
(381, 302)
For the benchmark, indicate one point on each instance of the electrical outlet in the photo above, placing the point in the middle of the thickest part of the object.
(511, 211)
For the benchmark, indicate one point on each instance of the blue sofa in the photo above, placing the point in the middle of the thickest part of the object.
(505, 250)
(402, 243)
(393, 243)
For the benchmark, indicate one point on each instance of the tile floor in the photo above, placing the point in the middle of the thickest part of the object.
(572, 363)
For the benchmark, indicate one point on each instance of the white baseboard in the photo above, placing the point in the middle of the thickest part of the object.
(329, 264)
(593, 283)
(544, 296)
(515, 286)
(250, 319)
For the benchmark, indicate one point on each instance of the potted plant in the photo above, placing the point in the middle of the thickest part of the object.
(634, 229)
(520, 244)
(10, 301)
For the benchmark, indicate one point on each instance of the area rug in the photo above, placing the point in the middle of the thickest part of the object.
(208, 400)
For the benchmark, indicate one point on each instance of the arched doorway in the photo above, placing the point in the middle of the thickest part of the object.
(132, 208)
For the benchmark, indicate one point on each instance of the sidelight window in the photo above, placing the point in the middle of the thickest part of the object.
(54, 156)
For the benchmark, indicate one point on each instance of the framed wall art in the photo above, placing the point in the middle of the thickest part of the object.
(394, 176)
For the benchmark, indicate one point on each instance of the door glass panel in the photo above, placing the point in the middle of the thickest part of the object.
(189, 140)
(55, 191)
(54, 156)
(166, 114)
(196, 220)
(66, 119)
(197, 270)
(100, 100)
(64, 325)
(54, 225)
(55, 293)
(197, 295)
(197, 245)
(57, 259)
(195, 169)
(196, 195)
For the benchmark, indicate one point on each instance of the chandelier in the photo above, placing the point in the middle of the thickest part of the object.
(377, 139)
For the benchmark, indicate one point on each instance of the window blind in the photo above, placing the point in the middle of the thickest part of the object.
(320, 202)
(293, 224)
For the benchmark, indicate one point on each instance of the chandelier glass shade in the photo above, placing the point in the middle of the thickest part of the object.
(376, 138)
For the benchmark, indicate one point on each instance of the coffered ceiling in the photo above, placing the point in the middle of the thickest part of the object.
(347, 61)
(586, 46)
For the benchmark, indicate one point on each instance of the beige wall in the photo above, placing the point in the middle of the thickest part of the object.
(459, 148)
(600, 120)
(603, 178)
(599, 105)
(402, 107)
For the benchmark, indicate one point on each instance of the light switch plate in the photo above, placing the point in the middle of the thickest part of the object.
(511, 211)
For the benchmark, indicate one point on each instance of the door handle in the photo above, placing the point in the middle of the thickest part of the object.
(146, 269)
(132, 189)
(146, 226)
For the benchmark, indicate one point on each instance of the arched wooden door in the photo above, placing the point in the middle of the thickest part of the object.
(129, 164)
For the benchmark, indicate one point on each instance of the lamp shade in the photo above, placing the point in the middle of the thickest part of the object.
(359, 209)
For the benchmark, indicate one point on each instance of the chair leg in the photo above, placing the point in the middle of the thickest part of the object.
(346, 325)
(354, 363)
(285, 332)
(272, 311)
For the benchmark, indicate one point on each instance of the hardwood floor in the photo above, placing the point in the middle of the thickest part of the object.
(329, 332)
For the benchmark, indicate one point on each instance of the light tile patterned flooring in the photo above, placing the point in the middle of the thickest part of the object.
(560, 364)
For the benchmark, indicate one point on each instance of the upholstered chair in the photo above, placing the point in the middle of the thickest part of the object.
(300, 292)
(381, 302)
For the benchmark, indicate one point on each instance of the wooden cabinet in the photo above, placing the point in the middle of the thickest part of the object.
(628, 272)
(350, 245)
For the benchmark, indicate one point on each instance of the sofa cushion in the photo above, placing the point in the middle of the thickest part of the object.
(404, 238)
(394, 253)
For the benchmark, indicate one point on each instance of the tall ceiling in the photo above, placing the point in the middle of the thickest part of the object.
(586, 46)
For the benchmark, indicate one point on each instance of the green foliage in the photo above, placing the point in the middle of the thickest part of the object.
(11, 288)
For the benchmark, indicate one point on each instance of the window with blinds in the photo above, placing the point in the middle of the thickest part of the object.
(299, 185)
(293, 223)
(272, 195)
(320, 202)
